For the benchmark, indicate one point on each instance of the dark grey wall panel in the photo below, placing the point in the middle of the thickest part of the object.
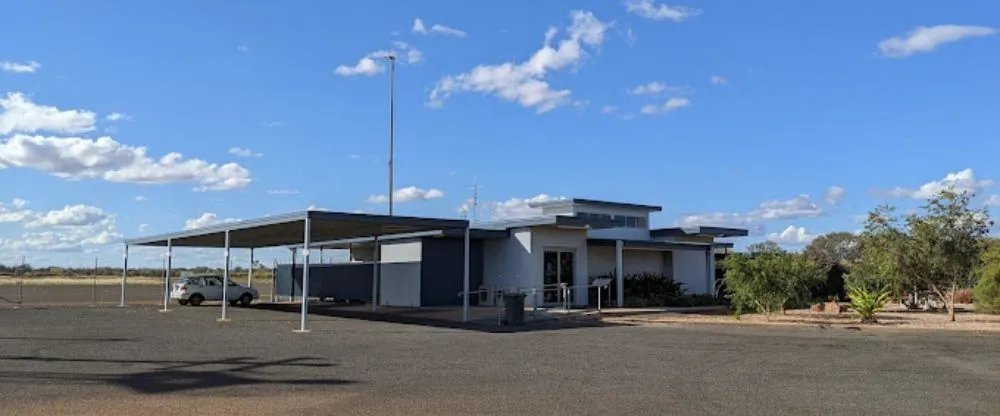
(341, 281)
(442, 272)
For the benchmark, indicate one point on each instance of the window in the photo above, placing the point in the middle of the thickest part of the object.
(622, 221)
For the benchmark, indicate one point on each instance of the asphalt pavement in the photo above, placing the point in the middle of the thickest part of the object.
(135, 360)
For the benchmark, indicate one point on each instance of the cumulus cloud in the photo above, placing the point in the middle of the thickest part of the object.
(718, 80)
(21, 115)
(117, 117)
(928, 38)
(834, 194)
(365, 66)
(408, 194)
(141, 198)
(69, 229)
(15, 211)
(609, 109)
(69, 216)
(77, 158)
(511, 208)
(374, 63)
(205, 220)
(650, 10)
(672, 104)
(961, 181)
(525, 82)
(437, 29)
(801, 206)
(792, 236)
(19, 67)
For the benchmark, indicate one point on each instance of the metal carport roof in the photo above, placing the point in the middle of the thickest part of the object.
(288, 229)
(301, 228)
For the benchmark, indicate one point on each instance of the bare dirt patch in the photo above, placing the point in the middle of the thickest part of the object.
(893, 316)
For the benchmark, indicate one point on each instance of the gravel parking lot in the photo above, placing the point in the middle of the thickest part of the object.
(112, 361)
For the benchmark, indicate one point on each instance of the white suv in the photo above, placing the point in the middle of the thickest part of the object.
(194, 290)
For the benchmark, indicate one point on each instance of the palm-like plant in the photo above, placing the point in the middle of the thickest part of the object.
(866, 300)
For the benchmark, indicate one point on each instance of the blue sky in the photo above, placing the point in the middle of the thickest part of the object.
(748, 113)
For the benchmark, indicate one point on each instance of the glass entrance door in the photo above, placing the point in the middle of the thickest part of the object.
(557, 270)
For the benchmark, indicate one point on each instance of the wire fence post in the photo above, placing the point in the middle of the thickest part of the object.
(94, 288)
(20, 284)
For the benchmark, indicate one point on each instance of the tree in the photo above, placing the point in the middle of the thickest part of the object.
(986, 294)
(938, 249)
(768, 279)
(833, 249)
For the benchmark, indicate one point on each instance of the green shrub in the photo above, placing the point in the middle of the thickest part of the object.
(986, 294)
(866, 300)
(768, 279)
(643, 290)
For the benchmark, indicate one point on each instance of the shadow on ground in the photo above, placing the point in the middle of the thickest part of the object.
(414, 317)
(168, 376)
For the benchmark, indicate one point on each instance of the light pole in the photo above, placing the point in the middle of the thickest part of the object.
(392, 119)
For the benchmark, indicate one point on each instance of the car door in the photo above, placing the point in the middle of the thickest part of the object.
(212, 289)
(234, 291)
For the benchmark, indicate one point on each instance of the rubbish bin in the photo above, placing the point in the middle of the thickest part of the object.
(513, 304)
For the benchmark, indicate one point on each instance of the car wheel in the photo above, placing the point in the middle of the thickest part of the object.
(196, 299)
(245, 300)
(182, 302)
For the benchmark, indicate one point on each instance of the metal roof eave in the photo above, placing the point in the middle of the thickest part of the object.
(219, 228)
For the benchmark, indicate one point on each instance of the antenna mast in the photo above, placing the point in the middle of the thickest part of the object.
(475, 198)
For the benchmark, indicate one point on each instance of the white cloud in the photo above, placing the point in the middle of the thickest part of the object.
(243, 48)
(514, 207)
(117, 117)
(672, 104)
(993, 201)
(834, 194)
(17, 214)
(242, 152)
(354, 157)
(143, 227)
(141, 198)
(373, 63)
(69, 229)
(421, 28)
(69, 216)
(792, 236)
(365, 66)
(525, 82)
(926, 39)
(20, 67)
(447, 31)
(649, 10)
(418, 26)
(411, 193)
(282, 192)
(608, 109)
(656, 87)
(962, 181)
(718, 80)
(271, 124)
(801, 206)
(412, 54)
(78, 158)
(21, 115)
(205, 220)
